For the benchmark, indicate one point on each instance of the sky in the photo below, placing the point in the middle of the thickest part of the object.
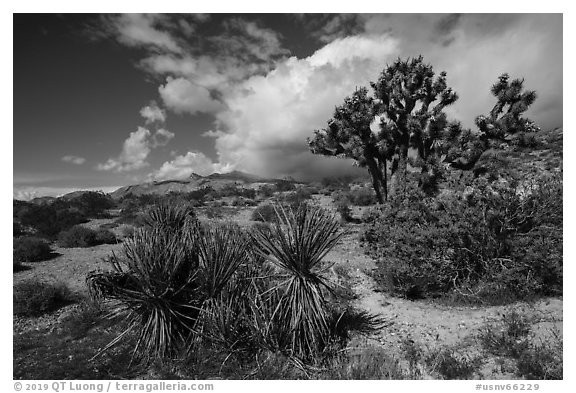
(105, 100)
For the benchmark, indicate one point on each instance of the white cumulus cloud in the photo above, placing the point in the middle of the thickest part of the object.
(181, 95)
(74, 160)
(161, 137)
(269, 117)
(136, 149)
(143, 30)
(152, 113)
(183, 166)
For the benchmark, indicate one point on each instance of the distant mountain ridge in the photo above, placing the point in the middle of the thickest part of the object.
(194, 182)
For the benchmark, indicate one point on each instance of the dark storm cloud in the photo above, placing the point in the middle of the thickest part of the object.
(448, 23)
(444, 28)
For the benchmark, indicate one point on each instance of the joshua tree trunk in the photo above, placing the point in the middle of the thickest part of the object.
(383, 176)
(400, 172)
(373, 169)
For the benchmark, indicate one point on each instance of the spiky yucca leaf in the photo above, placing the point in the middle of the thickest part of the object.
(168, 282)
(300, 246)
(154, 284)
(221, 249)
(298, 249)
(169, 217)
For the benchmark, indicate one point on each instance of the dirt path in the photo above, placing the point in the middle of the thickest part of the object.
(428, 324)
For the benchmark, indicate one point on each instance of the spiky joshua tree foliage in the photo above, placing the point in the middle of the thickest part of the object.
(504, 123)
(505, 118)
(408, 101)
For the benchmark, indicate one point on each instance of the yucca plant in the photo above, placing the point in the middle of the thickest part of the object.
(154, 284)
(169, 279)
(169, 216)
(298, 249)
(221, 249)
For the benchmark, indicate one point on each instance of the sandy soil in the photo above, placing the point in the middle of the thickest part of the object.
(432, 326)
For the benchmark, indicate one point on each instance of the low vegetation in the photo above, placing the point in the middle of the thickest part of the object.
(79, 236)
(496, 244)
(49, 219)
(33, 298)
(511, 337)
(31, 249)
(183, 284)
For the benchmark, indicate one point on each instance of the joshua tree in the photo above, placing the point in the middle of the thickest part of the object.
(409, 103)
(504, 122)
(348, 135)
(505, 117)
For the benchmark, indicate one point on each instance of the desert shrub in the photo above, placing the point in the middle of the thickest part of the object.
(526, 140)
(344, 210)
(266, 191)
(49, 220)
(419, 253)
(93, 203)
(451, 365)
(357, 197)
(369, 364)
(337, 183)
(17, 266)
(104, 236)
(362, 196)
(413, 355)
(31, 249)
(79, 321)
(284, 185)
(17, 229)
(541, 361)
(296, 198)
(34, 298)
(508, 337)
(78, 236)
(234, 191)
(502, 245)
(493, 164)
(511, 337)
(341, 198)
